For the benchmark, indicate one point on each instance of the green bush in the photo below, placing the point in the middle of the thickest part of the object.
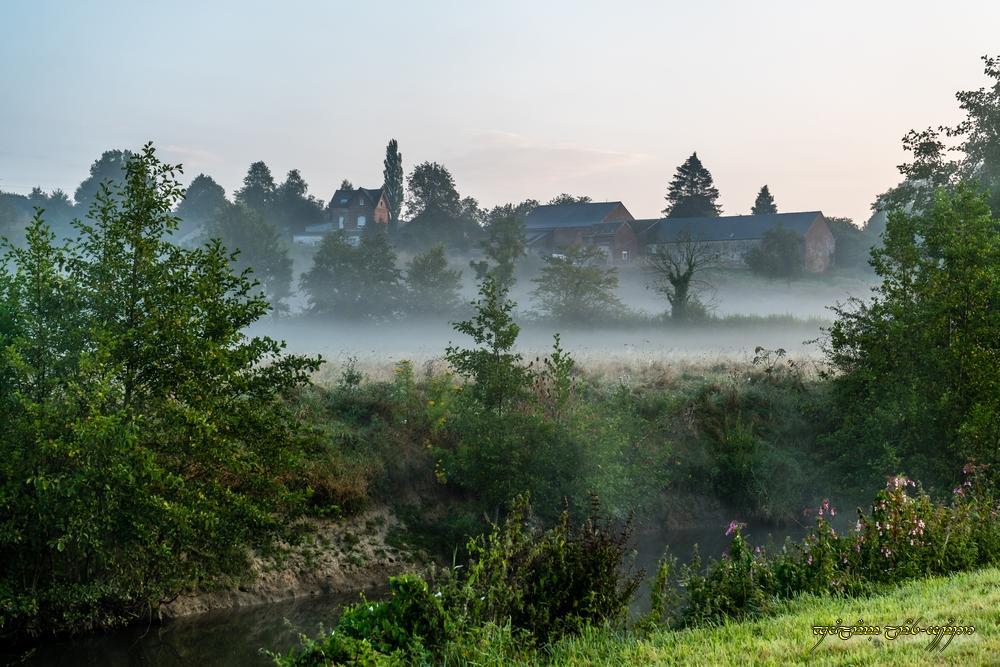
(538, 585)
(904, 536)
(145, 444)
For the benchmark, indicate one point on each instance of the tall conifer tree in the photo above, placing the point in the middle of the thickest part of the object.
(692, 193)
(764, 203)
(393, 179)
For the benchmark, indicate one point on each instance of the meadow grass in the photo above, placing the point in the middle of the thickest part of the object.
(786, 638)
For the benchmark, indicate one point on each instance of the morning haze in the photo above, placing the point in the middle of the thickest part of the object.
(524, 333)
(520, 100)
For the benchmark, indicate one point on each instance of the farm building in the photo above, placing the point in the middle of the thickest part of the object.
(732, 236)
(604, 225)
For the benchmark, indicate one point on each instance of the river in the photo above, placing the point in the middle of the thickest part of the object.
(233, 638)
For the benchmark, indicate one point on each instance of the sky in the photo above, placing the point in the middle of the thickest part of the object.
(518, 99)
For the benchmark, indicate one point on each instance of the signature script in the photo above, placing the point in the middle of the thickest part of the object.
(941, 635)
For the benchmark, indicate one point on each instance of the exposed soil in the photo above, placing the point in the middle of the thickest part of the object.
(340, 556)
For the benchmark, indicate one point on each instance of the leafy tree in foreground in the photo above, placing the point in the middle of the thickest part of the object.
(780, 254)
(432, 288)
(578, 286)
(674, 268)
(144, 446)
(498, 375)
(919, 363)
(764, 203)
(354, 282)
(692, 194)
(258, 247)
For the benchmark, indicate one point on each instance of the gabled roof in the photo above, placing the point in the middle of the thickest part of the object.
(728, 227)
(344, 198)
(557, 216)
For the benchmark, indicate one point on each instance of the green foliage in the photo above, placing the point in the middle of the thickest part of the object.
(109, 169)
(437, 213)
(933, 166)
(294, 208)
(539, 584)
(503, 247)
(919, 363)
(764, 204)
(903, 537)
(432, 288)
(259, 190)
(853, 244)
(258, 248)
(692, 194)
(497, 374)
(780, 254)
(578, 286)
(675, 269)
(203, 201)
(351, 282)
(392, 179)
(144, 443)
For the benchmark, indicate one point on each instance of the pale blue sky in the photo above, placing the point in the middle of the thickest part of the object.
(518, 99)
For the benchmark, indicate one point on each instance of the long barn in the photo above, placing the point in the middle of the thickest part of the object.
(730, 237)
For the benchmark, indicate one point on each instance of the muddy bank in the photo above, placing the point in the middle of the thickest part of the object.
(340, 556)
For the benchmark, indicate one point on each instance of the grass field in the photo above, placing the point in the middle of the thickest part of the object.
(787, 638)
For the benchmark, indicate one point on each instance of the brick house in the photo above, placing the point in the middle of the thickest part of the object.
(730, 237)
(603, 225)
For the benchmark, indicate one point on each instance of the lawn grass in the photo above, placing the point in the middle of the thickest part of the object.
(786, 638)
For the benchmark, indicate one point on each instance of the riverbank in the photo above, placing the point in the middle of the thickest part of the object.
(337, 556)
(971, 599)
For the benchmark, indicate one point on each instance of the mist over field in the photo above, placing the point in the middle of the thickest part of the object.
(751, 312)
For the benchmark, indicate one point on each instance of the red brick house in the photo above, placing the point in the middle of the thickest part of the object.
(604, 225)
(352, 211)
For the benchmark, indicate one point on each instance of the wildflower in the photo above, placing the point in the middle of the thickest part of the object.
(809, 561)
(734, 526)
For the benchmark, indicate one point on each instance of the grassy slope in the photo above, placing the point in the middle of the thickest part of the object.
(785, 639)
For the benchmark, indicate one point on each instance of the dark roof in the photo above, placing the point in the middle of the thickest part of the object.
(556, 216)
(342, 198)
(728, 227)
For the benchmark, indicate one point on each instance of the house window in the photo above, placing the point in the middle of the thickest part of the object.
(340, 223)
(361, 221)
(624, 256)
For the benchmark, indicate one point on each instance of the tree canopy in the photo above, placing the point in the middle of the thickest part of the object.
(578, 285)
(918, 363)
(348, 282)
(259, 190)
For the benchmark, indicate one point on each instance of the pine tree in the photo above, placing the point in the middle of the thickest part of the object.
(692, 193)
(764, 203)
(392, 176)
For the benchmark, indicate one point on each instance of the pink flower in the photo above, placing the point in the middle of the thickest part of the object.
(734, 526)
